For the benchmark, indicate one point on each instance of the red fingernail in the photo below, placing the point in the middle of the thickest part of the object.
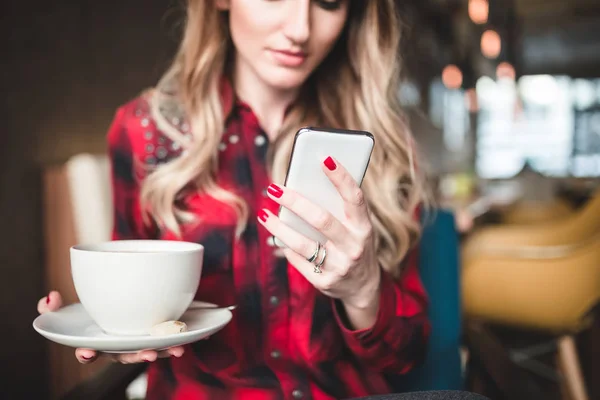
(330, 164)
(262, 215)
(86, 358)
(275, 190)
(48, 299)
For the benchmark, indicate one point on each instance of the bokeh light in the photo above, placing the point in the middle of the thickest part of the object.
(452, 77)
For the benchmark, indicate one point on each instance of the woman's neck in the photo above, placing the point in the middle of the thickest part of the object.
(268, 105)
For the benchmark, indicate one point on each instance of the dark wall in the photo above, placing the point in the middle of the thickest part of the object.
(65, 67)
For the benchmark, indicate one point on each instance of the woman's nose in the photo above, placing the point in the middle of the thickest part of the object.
(297, 21)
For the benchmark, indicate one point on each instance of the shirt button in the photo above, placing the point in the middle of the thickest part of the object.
(161, 152)
(274, 300)
(260, 140)
(275, 354)
(297, 394)
(264, 192)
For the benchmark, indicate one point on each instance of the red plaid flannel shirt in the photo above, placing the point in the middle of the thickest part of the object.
(286, 340)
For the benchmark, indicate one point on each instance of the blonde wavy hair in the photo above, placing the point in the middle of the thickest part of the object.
(355, 87)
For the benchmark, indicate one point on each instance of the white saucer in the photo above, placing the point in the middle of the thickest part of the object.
(72, 326)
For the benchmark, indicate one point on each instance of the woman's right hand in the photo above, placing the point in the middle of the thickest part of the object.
(53, 302)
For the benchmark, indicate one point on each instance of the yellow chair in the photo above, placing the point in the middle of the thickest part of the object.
(549, 292)
(531, 212)
(544, 277)
(542, 239)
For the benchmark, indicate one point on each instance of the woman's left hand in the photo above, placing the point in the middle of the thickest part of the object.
(350, 271)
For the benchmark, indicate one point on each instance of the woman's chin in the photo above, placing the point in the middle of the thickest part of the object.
(286, 80)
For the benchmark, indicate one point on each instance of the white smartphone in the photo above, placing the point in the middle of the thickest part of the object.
(312, 146)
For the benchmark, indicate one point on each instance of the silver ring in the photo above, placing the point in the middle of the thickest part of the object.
(316, 253)
(318, 265)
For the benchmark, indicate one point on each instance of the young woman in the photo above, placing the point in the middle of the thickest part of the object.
(201, 158)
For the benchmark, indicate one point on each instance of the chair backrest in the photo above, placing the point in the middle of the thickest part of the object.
(76, 208)
(90, 192)
(587, 221)
(439, 267)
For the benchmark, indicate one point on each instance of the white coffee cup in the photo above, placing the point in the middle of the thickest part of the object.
(128, 286)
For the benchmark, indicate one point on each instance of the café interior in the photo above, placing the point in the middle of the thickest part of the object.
(503, 99)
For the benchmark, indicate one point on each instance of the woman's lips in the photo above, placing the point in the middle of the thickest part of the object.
(289, 58)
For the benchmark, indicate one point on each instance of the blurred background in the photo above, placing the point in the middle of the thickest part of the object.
(503, 98)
